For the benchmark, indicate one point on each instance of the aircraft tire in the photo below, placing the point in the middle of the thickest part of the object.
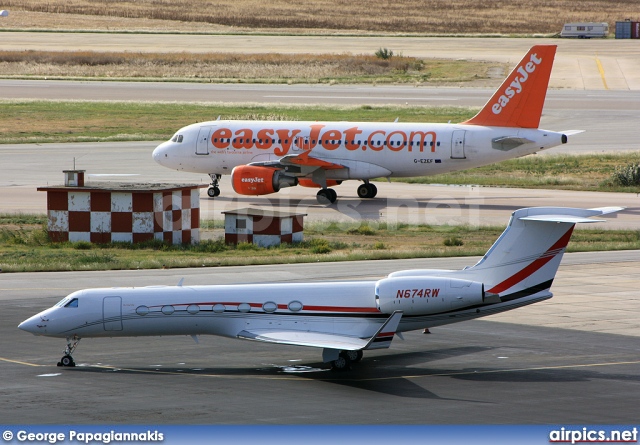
(326, 196)
(367, 191)
(342, 363)
(67, 361)
(213, 192)
(354, 356)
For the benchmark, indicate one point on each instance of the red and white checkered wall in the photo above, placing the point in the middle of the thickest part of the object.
(103, 216)
(263, 230)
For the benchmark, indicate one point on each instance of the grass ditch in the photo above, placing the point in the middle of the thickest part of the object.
(25, 247)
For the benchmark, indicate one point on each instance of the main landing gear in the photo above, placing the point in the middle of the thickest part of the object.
(367, 190)
(329, 196)
(72, 344)
(213, 190)
(344, 360)
(326, 196)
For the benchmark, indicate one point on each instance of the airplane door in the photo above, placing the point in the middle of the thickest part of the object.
(457, 144)
(112, 313)
(202, 144)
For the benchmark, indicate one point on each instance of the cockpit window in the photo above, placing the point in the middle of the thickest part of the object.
(72, 303)
(177, 138)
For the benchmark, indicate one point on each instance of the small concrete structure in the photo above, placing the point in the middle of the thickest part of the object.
(263, 227)
(133, 213)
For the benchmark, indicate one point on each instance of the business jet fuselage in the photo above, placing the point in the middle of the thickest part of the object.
(265, 156)
(344, 318)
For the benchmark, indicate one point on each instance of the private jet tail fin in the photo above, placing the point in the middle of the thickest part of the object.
(527, 255)
(519, 100)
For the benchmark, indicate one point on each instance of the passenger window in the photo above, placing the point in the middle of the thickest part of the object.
(72, 303)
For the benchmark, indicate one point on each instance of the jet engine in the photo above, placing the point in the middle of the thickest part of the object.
(427, 295)
(255, 180)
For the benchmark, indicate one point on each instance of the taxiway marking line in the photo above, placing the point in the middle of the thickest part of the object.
(601, 70)
(19, 362)
(299, 378)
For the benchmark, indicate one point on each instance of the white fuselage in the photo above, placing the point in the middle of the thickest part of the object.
(343, 308)
(367, 150)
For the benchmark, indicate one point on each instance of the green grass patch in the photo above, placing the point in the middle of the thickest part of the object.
(593, 172)
(27, 248)
(95, 121)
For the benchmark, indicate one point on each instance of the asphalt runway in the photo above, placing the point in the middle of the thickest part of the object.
(570, 360)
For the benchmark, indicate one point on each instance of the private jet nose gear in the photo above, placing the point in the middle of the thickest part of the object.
(67, 359)
(343, 318)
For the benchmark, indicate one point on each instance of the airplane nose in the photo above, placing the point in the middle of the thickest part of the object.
(35, 325)
(159, 153)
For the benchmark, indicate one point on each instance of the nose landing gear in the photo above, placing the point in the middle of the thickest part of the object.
(72, 344)
(213, 190)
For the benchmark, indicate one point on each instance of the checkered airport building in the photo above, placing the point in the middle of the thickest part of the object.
(130, 213)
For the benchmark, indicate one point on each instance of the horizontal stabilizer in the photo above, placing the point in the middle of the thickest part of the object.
(569, 215)
(572, 132)
(507, 143)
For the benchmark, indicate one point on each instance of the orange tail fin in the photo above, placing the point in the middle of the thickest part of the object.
(519, 100)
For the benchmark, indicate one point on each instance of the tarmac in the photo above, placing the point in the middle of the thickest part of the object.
(573, 359)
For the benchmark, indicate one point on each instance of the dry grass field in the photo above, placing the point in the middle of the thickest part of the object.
(355, 16)
(221, 67)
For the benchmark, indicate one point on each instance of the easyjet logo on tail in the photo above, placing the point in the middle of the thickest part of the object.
(517, 85)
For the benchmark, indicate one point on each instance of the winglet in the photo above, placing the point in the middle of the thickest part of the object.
(519, 100)
(382, 338)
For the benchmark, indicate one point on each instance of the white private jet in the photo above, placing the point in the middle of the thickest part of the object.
(342, 318)
(265, 156)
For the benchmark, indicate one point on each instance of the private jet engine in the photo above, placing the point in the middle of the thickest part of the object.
(255, 180)
(427, 295)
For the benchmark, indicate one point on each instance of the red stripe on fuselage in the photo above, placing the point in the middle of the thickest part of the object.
(534, 266)
(337, 309)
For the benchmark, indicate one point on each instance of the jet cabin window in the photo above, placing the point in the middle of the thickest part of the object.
(177, 138)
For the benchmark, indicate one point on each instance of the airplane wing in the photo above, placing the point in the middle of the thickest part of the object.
(305, 159)
(299, 163)
(381, 339)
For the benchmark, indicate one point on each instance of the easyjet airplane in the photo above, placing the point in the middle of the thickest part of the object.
(344, 318)
(265, 156)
